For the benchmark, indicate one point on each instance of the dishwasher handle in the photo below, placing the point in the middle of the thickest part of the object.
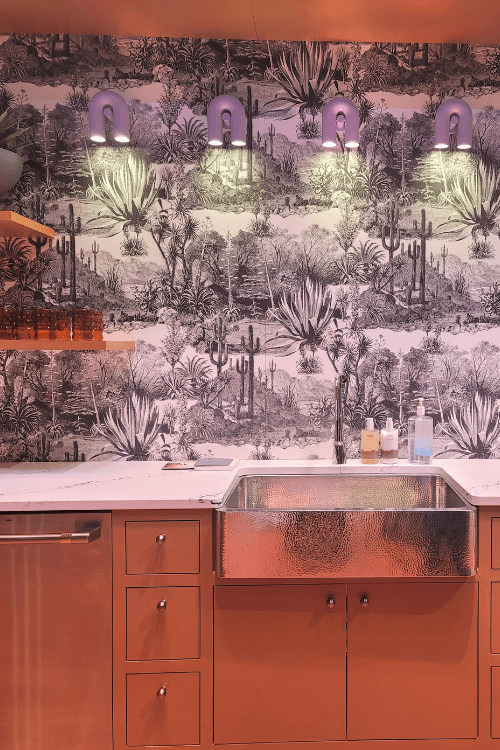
(88, 533)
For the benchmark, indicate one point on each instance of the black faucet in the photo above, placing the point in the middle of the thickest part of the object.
(338, 437)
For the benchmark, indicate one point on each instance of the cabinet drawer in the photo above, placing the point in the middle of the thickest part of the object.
(495, 542)
(163, 622)
(495, 702)
(173, 719)
(495, 618)
(162, 547)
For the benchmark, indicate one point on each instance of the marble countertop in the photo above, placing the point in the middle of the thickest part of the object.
(111, 485)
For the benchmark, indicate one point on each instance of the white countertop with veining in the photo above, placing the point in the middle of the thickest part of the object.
(107, 485)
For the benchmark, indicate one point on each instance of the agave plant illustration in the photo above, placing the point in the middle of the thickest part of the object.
(305, 316)
(474, 430)
(9, 130)
(21, 415)
(476, 200)
(131, 429)
(128, 194)
(306, 77)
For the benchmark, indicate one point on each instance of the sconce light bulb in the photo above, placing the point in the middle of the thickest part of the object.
(97, 139)
(238, 143)
(122, 139)
(441, 145)
(352, 144)
(329, 144)
(213, 142)
(464, 146)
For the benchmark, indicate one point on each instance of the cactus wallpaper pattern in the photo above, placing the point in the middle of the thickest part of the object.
(250, 278)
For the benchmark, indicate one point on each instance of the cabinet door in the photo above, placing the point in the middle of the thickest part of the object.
(279, 663)
(412, 661)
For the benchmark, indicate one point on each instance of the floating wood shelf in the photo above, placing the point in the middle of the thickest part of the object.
(15, 225)
(93, 346)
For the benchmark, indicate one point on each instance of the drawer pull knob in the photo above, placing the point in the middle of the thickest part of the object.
(330, 601)
(364, 600)
(161, 606)
(160, 539)
(161, 693)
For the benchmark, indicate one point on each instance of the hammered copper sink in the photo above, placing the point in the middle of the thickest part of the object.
(331, 526)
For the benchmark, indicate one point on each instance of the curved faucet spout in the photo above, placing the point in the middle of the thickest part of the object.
(338, 437)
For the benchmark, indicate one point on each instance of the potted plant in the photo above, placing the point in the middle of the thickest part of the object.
(11, 163)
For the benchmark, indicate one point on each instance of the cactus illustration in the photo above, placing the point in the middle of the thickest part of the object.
(219, 348)
(63, 250)
(272, 370)
(77, 457)
(272, 132)
(242, 371)
(37, 211)
(73, 227)
(414, 255)
(82, 255)
(249, 134)
(444, 255)
(251, 350)
(43, 448)
(391, 234)
(95, 250)
(431, 260)
(437, 266)
(424, 232)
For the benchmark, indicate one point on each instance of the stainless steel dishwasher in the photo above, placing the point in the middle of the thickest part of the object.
(55, 631)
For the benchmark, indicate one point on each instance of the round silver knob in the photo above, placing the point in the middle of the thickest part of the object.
(161, 606)
(330, 601)
(161, 693)
(160, 539)
(364, 600)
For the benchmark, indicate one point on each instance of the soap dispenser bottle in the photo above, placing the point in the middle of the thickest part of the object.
(389, 443)
(420, 432)
(369, 443)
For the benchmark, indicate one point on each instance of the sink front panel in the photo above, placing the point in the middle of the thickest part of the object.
(327, 527)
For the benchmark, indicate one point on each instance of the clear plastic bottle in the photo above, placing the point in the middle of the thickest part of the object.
(420, 434)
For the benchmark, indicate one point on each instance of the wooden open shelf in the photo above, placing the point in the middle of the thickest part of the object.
(15, 225)
(93, 346)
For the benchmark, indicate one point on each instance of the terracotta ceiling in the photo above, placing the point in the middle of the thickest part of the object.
(352, 20)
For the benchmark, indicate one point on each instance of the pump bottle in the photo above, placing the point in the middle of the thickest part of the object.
(420, 433)
(389, 443)
(369, 443)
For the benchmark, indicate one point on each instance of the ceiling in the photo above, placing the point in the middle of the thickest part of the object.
(352, 20)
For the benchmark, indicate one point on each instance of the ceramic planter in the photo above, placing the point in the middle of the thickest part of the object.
(11, 166)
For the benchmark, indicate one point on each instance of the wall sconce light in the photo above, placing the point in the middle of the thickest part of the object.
(331, 126)
(226, 105)
(108, 100)
(448, 114)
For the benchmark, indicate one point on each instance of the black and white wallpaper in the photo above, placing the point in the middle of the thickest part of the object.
(250, 278)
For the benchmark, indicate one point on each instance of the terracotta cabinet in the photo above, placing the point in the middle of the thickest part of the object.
(279, 663)
(280, 666)
(412, 661)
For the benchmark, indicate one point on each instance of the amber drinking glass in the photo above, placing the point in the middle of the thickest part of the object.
(83, 324)
(8, 322)
(63, 325)
(42, 324)
(97, 326)
(25, 326)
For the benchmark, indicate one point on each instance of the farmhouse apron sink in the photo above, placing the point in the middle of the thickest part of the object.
(361, 526)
